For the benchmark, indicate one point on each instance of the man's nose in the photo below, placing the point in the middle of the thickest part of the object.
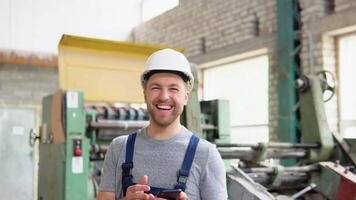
(164, 95)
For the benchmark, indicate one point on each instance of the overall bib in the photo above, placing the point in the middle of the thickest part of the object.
(182, 174)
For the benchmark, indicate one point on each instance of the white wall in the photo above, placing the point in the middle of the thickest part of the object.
(37, 25)
(245, 84)
(347, 84)
(153, 8)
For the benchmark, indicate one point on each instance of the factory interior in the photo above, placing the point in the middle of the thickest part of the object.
(272, 91)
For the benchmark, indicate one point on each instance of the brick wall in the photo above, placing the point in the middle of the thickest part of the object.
(25, 78)
(215, 23)
(211, 30)
(341, 5)
(26, 84)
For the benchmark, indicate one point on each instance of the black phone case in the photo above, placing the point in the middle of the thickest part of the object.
(169, 194)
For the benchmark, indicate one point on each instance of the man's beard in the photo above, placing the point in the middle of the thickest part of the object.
(163, 121)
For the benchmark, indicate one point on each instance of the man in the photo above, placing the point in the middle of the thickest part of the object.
(164, 155)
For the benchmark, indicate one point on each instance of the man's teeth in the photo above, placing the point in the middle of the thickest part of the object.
(163, 107)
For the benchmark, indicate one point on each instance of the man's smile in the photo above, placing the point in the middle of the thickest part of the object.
(163, 107)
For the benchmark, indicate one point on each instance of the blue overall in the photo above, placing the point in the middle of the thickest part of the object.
(182, 174)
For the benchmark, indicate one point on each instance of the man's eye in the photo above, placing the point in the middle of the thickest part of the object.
(174, 89)
(155, 88)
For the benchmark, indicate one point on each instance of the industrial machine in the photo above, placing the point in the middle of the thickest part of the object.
(325, 162)
(73, 140)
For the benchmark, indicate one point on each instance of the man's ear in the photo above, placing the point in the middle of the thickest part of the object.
(144, 93)
(186, 98)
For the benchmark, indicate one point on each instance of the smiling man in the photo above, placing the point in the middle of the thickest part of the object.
(164, 157)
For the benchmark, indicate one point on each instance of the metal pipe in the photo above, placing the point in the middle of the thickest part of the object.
(289, 180)
(103, 148)
(273, 145)
(303, 191)
(286, 155)
(118, 124)
(270, 170)
(208, 127)
(240, 154)
(227, 145)
(294, 145)
(252, 155)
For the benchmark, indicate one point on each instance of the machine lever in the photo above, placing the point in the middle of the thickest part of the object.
(303, 191)
(33, 137)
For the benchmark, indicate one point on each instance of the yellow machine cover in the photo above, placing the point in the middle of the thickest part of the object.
(106, 71)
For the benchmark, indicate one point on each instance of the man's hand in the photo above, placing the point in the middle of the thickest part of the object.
(182, 196)
(137, 191)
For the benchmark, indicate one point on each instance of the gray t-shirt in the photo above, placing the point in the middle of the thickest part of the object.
(160, 161)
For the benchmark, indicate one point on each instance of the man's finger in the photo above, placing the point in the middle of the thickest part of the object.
(137, 188)
(182, 196)
(142, 196)
(143, 180)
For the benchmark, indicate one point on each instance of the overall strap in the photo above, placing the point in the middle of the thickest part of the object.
(183, 173)
(127, 166)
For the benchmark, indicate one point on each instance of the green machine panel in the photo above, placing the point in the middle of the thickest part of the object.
(216, 120)
(63, 148)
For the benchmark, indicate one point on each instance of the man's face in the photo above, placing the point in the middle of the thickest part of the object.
(165, 96)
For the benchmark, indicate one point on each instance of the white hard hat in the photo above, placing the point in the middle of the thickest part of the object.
(168, 60)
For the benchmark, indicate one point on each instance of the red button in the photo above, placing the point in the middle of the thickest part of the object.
(77, 152)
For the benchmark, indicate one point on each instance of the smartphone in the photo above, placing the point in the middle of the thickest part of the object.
(170, 194)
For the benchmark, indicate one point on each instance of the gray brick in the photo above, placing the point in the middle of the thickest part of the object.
(19, 83)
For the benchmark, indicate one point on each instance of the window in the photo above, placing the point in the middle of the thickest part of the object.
(245, 84)
(347, 85)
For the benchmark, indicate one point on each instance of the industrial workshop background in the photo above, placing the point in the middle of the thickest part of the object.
(247, 51)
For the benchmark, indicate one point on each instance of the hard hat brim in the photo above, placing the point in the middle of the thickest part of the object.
(185, 77)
